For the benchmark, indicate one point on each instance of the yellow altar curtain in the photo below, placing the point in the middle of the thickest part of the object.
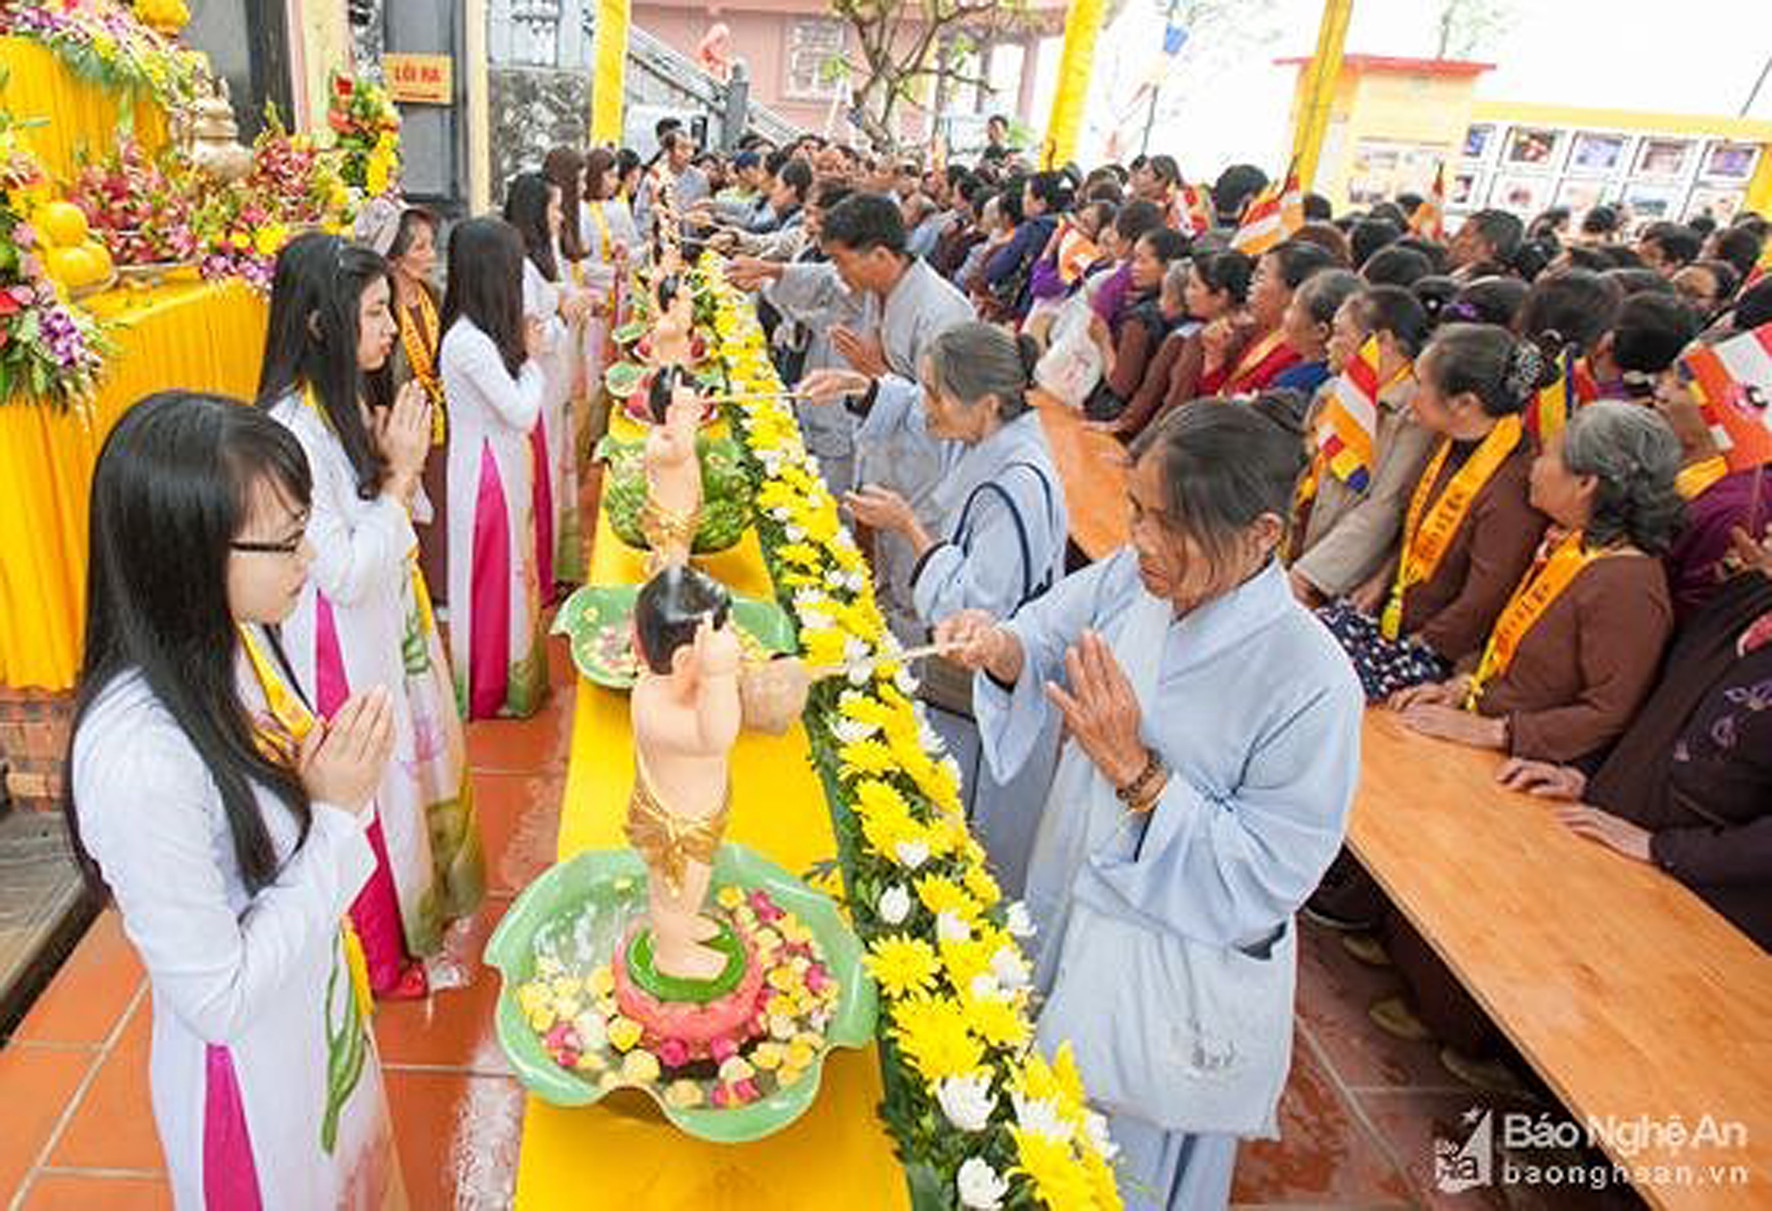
(204, 337)
(621, 1152)
(76, 114)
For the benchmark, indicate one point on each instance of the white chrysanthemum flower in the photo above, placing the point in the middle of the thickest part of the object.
(1096, 1125)
(967, 1100)
(1010, 968)
(913, 853)
(980, 1187)
(1041, 1116)
(950, 928)
(895, 904)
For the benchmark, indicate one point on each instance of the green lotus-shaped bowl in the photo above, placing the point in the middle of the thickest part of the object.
(612, 884)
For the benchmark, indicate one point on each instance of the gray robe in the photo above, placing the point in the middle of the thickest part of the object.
(979, 562)
(922, 305)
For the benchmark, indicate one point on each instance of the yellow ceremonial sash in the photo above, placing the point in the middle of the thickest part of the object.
(1694, 481)
(1535, 594)
(1254, 356)
(604, 240)
(1428, 532)
(294, 721)
(420, 341)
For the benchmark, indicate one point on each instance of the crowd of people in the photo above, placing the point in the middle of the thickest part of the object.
(1544, 552)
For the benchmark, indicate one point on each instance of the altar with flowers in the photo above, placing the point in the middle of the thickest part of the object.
(952, 1106)
(137, 237)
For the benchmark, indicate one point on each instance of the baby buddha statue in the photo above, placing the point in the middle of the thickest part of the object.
(686, 717)
(673, 470)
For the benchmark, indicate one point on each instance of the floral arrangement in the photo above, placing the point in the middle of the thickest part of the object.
(366, 132)
(141, 206)
(292, 186)
(107, 43)
(50, 350)
(577, 1014)
(981, 1119)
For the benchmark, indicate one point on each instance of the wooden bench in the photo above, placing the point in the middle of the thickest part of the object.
(1093, 468)
(1627, 994)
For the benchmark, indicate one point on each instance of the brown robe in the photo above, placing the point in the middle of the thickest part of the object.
(1695, 769)
(1582, 671)
(433, 536)
(1453, 610)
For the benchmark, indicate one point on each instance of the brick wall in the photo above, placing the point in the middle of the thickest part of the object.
(33, 745)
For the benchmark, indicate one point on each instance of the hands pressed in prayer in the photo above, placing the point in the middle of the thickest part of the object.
(1453, 723)
(832, 384)
(535, 338)
(1101, 711)
(862, 352)
(1431, 693)
(1543, 779)
(342, 759)
(1615, 834)
(402, 436)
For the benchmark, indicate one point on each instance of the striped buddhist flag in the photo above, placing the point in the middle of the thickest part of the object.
(1550, 409)
(1349, 425)
(1196, 212)
(1429, 219)
(1733, 382)
(1271, 216)
(1762, 267)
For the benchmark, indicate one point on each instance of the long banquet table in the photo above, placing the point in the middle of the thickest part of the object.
(621, 1152)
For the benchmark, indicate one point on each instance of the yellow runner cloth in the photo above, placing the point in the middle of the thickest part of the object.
(622, 1152)
(187, 335)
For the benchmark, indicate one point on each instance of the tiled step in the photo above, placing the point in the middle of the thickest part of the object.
(44, 908)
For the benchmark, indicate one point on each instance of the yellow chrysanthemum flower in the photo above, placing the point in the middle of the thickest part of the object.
(941, 894)
(902, 965)
(983, 888)
(1059, 1178)
(1035, 1079)
(1070, 1080)
(1101, 1179)
(805, 555)
(965, 960)
(864, 709)
(823, 647)
(935, 1037)
(866, 758)
(999, 1021)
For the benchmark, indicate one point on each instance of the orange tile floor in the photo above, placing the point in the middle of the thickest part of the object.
(76, 1130)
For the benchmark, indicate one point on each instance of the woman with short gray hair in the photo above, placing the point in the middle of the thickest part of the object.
(1576, 650)
(998, 541)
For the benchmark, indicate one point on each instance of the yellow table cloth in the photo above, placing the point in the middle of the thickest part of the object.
(621, 1152)
(76, 115)
(200, 336)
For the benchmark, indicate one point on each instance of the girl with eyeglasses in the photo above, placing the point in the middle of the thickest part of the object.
(226, 817)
